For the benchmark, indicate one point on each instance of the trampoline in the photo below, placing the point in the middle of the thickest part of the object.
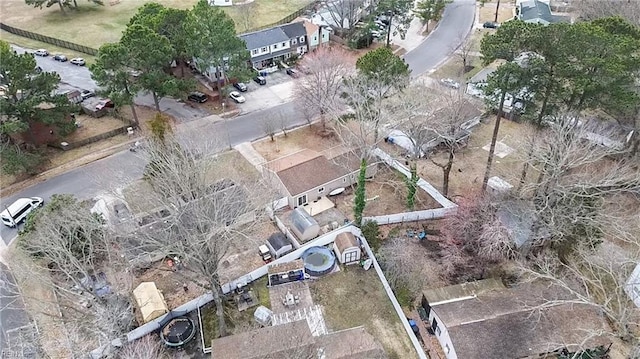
(178, 331)
(318, 261)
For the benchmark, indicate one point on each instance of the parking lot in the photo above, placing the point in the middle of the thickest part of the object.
(278, 90)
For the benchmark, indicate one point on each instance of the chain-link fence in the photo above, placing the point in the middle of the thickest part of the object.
(49, 40)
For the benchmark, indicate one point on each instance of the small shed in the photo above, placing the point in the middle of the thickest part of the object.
(303, 225)
(150, 301)
(347, 248)
(262, 315)
(279, 244)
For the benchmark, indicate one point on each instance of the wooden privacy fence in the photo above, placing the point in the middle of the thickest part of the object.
(49, 40)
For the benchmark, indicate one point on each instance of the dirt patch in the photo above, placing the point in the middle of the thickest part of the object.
(91, 126)
(307, 137)
(354, 297)
(170, 282)
(386, 194)
(470, 163)
(488, 11)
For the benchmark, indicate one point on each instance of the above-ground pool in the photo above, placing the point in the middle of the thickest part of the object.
(318, 261)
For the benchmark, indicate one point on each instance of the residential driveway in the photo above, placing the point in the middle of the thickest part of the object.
(278, 90)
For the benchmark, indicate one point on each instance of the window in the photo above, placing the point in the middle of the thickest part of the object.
(275, 46)
(446, 348)
(344, 180)
(284, 44)
(302, 200)
(351, 256)
(293, 41)
(321, 189)
(264, 49)
(254, 52)
(301, 39)
(438, 332)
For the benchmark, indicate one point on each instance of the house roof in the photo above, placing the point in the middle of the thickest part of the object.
(483, 74)
(345, 240)
(538, 11)
(442, 294)
(353, 343)
(310, 27)
(504, 323)
(294, 29)
(278, 240)
(310, 174)
(269, 342)
(262, 38)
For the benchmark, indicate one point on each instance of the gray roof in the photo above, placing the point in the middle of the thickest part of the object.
(294, 29)
(537, 10)
(278, 240)
(301, 220)
(262, 38)
(504, 323)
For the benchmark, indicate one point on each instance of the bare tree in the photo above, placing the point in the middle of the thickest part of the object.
(592, 277)
(345, 13)
(576, 173)
(68, 248)
(321, 87)
(147, 347)
(596, 9)
(464, 52)
(404, 272)
(205, 218)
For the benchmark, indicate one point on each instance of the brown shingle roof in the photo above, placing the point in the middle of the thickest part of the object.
(354, 343)
(287, 340)
(504, 324)
(310, 174)
(346, 240)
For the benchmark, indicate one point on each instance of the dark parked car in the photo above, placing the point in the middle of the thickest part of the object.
(198, 97)
(292, 72)
(490, 25)
(240, 86)
(260, 80)
(60, 58)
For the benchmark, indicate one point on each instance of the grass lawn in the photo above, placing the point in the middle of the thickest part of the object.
(94, 25)
(33, 44)
(488, 11)
(355, 297)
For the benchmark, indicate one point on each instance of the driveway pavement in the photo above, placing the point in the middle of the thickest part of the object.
(278, 90)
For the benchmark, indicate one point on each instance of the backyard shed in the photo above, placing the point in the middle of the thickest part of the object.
(150, 301)
(262, 315)
(279, 244)
(347, 248)
(303, 225)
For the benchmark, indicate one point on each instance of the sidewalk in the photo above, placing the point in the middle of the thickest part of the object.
(413, 37)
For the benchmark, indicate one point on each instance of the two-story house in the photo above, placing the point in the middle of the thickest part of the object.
(317, 35)
(268, 47)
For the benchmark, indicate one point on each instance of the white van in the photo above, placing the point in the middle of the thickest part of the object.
(19, 210)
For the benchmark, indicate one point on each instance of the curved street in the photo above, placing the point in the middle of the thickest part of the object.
(121, 168)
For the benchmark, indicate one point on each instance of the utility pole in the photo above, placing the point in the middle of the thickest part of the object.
(497, 8)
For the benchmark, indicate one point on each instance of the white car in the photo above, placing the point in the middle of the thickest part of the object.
(237, 97)
(41, 52)
(19, 210)
(450, 83)
(78, 61)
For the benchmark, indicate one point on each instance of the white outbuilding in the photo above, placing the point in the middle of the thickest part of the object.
(347, 248)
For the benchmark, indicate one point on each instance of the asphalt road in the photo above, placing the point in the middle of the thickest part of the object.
(452, 30)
